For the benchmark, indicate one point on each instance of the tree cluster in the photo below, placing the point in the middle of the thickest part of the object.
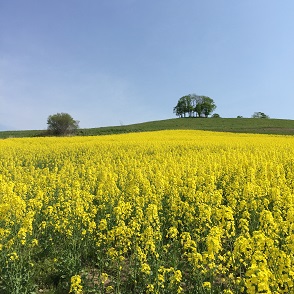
(259, 115)
(193, 105)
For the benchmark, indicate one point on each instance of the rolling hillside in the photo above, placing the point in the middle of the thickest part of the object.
(237, 125)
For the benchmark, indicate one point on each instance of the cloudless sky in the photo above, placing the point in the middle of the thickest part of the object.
(113, 62)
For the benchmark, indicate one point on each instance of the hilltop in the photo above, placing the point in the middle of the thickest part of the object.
(236, 125)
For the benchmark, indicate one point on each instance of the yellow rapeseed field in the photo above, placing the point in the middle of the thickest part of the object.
(156, 212)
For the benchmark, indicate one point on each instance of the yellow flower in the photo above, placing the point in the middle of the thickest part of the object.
(150, 289)
(172, 233)
(102, 225)
(145, 268)
(206, 285)
(104, 278)
(13, 256)
(177, 277)
(109, 289)
(228, 291)
(34, 242)
(75, 285)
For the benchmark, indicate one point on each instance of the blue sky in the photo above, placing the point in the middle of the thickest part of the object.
(113, 62)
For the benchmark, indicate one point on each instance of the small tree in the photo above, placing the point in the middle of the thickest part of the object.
(259, 115)
(208, 105)
(184, 106)
(180, 108)
(62, 124)
(199, 105)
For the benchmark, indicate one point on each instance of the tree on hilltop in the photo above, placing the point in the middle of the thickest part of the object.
(194, 105)
(208, 105)
(62, 124)
(184, 106)
(259, 115)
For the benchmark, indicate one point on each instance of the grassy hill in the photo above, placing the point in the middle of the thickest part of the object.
(237, 125)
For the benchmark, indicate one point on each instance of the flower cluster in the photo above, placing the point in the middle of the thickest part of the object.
(158, 212)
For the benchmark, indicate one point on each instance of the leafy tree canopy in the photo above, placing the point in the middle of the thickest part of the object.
(62, 124)
(194, 105)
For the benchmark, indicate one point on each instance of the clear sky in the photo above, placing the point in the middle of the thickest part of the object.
(113, 62)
